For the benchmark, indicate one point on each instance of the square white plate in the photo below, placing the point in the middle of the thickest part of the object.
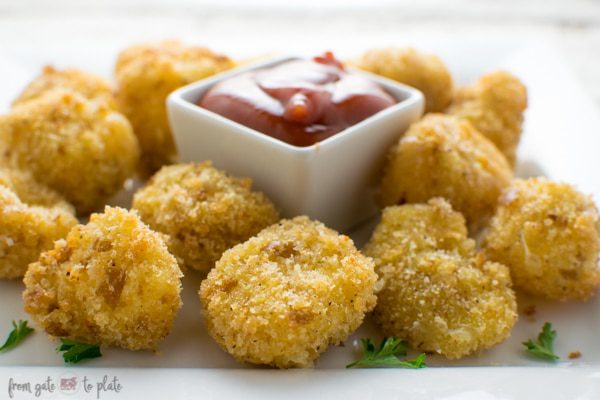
(561, 140)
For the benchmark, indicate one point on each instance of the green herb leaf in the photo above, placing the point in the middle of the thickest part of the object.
(417, 362)
(75, 352)
(387, 355)
(16, 336)
(544, 348)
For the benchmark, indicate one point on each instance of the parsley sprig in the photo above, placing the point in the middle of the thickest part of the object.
(544, 348)
(75, 352)
(16, 336)
(387, 355)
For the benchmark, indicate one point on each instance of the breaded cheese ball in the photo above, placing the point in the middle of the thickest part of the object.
(549, 235)
(110, 282)
(30, 191)
(146, 74)
(90, 86)
(437, 293)
(494, 105)
(32, 217)
(425, 72)
(203, 211)
(82, 149)
(444, 156)
(284, 295)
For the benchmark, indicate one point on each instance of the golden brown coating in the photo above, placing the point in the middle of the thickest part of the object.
(203, 211)
(110, 282)
(425, 72)
(82, 149)
(494, 105)
(444, 156)
(146, 75)
(32, 217)
(30, 191)
(284, 295)
(437, 293)
(90, 86)
(549, 235)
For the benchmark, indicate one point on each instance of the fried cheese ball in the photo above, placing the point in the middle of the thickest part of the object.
(425, 72)
(494, 105)
(110, 282)
(32, 217)
(30, 191)
(82, 149)
(443, 156)
(437, 293)
(146, 74)
(203, 211)
(90, 86)
(284, 295)
(549, 235)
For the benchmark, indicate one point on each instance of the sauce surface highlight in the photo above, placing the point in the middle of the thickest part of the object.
(300, 102)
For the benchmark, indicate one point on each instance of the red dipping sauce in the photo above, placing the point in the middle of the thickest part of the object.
(300, 102)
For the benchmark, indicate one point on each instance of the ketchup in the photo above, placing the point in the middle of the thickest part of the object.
(300, 102)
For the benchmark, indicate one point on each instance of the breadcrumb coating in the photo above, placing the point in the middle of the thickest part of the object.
(494, 105)
(110, 282)
(444, 156)
(437, 292)
(82, 149)
(146, 74)
(284, 295)
(203, 211)
(549, 235)
(30, 191)
(90, 86)
(32, 217)
(425, 72)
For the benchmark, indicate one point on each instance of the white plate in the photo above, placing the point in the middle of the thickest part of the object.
(561, 139)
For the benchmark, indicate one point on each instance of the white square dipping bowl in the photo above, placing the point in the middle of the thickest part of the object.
(333, 181)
